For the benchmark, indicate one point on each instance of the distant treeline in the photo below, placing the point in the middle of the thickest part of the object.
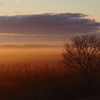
(31, 46)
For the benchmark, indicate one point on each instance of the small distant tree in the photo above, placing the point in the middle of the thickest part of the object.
(83, 55)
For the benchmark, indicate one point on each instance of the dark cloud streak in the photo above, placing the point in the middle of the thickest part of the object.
(48, 24)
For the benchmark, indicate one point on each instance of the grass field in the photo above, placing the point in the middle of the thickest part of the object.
(33, 74)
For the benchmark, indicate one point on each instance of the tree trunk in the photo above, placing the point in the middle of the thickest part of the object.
(89, 86)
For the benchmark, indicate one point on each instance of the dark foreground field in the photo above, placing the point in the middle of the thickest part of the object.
(26, 82)
(39, 81)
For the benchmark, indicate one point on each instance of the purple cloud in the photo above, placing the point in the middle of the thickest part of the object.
(48, 24)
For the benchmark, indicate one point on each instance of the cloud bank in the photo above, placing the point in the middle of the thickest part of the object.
(48, 24)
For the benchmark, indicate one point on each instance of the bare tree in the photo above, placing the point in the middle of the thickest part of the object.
(83, 55)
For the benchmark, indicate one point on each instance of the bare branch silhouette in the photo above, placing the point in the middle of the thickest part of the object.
(83, 56)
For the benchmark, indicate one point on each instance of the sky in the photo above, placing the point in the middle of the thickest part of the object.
(51, 22)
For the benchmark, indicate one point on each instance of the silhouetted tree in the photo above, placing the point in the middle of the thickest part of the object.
(83, 55)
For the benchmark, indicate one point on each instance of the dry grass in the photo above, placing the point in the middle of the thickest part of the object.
(35, 80)
(27, 82)
(19, 80)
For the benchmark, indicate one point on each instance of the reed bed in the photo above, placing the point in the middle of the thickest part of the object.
(38, 82)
